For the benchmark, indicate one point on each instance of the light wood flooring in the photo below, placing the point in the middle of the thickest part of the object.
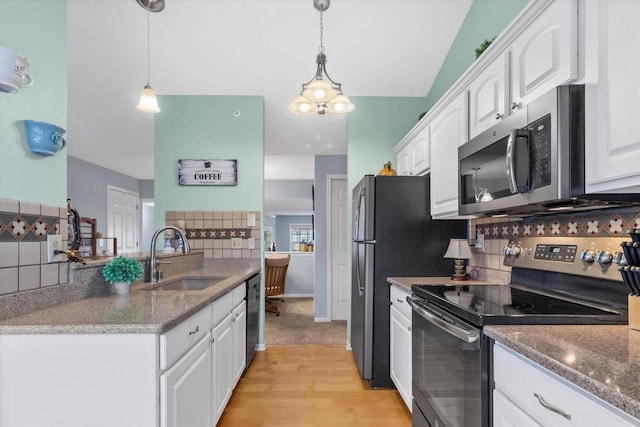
(310, 386)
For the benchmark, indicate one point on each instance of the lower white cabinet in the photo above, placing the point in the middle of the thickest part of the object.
(526, 394)
(400, 344)
(222, 364)
(185, 389)
(239, 340)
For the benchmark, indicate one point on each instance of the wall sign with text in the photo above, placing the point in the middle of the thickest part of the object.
(207, 172)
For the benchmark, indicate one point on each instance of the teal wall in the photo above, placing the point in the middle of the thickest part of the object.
(37, 30)
(375, 127)
(485, 20)
(204, 127)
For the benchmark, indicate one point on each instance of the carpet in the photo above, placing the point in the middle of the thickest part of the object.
(295, 326)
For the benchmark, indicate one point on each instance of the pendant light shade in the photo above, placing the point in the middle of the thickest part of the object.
(321, 94)
(152, 5)
(148, 101)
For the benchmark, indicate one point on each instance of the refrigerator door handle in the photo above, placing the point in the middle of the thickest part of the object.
(358, 281)
(356, 233)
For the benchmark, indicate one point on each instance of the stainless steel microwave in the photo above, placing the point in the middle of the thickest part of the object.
(532, 162)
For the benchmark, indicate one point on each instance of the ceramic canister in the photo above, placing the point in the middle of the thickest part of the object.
(44, 138)
(13, 71)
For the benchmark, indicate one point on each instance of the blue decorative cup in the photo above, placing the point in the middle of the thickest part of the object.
(44, 138)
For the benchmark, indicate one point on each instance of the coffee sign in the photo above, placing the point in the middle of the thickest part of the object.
(207, 172)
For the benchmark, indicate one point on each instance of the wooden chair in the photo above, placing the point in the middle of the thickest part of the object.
(274, 281)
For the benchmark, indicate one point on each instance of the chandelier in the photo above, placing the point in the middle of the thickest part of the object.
(321, 94)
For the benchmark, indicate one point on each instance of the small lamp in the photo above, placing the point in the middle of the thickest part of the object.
(459, 250)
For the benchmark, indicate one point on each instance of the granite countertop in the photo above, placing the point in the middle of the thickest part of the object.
(406, 282)
(603, 360)
(140, 311)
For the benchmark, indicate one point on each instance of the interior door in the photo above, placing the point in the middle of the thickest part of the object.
(338, 252)
(122, 218)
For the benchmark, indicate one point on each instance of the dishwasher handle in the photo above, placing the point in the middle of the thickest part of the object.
(468, 336)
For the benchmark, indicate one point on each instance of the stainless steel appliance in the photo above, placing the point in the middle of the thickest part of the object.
(532, 161)
(553, 281)
(393, 235)
(253, 317)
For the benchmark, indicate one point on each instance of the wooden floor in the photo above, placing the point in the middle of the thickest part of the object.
(310, 386)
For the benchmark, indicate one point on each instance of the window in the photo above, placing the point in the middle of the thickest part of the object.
(268, 238)
(300, 233)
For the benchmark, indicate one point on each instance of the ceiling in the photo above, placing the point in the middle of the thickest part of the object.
(242, 47)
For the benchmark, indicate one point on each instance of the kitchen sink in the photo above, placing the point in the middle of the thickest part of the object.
(197, 283)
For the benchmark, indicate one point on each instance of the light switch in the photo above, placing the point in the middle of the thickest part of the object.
(251, 243)
(251, 220)
(479, 242)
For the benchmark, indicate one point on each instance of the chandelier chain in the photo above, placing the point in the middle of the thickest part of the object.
(148, 47)
(321, 48)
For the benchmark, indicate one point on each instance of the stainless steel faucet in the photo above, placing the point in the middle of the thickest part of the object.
(154, 275)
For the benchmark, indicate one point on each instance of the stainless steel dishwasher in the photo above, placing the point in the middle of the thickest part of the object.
(253, 316)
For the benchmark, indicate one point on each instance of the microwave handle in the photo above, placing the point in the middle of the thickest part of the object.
(517, 160)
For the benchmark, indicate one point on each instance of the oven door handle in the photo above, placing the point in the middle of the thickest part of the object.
(458, 332)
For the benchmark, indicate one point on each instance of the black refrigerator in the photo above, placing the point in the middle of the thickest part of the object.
(393, 235)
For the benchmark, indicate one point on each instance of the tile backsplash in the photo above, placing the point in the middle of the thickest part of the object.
(24, 228)
(498, 232)
(212, 231)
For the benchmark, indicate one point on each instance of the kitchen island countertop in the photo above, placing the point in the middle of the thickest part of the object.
(140, 311)
(603, 360)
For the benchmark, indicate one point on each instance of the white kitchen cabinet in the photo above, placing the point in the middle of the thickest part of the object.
(413, 153)
(612, 90)
(545, 397)
(487, 96)
(403, 167)
(222, 364)
(448, 132)
(545, 54)
(239, 314)
(507, 414)
(400, 343)
(185, 389)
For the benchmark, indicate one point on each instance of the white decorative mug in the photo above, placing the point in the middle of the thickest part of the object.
(13, 71)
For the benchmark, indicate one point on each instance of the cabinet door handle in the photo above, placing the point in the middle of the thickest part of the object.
(195, 331)
(552, 408)
(515, 105)
(399, 300)
(499, 116)
(409, 328)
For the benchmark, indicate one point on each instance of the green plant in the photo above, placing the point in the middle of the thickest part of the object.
(122, 269)
(483, 46)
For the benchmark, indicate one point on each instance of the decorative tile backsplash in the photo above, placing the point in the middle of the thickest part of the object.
(212, 232)
(498, 232)
(24, 228)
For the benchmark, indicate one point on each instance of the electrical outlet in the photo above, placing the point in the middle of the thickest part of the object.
(236, 243)
(479, 242)
(251, 220)
(54, 243)
(251, 243)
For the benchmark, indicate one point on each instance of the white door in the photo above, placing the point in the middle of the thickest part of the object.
(338, 251)
(122, 219)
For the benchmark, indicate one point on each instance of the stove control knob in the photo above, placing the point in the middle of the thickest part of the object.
(604, 257)
(506, 250)
(588, 255)
(619, 258)
(515, 250)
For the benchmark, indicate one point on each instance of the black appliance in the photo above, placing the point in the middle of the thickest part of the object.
(553, 281)
(393, 235)
(532, 161)
(253, 317)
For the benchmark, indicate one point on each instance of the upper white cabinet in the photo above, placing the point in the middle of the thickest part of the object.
(487, 96)
(545, 55)
(448, 132)
(612, 91)
(526, 394)
(413, 152)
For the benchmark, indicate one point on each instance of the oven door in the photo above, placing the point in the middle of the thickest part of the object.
(448, 384)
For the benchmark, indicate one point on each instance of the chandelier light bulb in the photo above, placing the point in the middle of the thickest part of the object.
(340, 105)
(148, 101)
(302, 106)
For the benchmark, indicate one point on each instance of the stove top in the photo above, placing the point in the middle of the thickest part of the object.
(513, 304)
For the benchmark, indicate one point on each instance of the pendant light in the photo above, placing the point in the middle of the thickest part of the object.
(148, 101)
(321, 94)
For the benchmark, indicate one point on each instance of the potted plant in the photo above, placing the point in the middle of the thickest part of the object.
(121, 271)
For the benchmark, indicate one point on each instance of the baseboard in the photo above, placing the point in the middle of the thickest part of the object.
(321, 319)
(261, 347)
(297, 296)
(349, 346)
